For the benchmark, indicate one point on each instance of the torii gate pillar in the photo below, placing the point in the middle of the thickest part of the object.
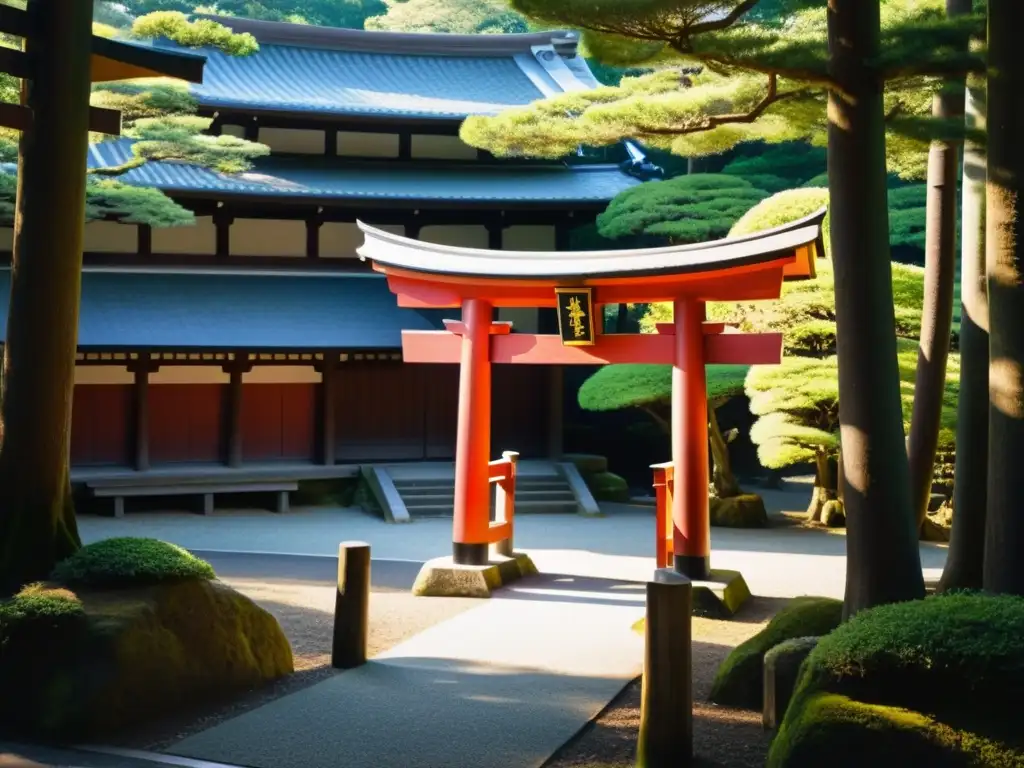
(472, 452)
(691, 534)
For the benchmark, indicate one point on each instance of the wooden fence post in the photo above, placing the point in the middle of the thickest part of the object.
(666, 709)
(351, 606)
(505, 504)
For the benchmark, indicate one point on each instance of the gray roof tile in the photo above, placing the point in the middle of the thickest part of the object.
(324, 179)
(237, 311)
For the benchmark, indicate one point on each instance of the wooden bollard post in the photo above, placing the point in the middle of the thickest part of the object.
(351, 606)
(666, 709)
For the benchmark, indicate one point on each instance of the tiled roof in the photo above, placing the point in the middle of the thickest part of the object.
(325, 180)
(236, 311)
(330, 72)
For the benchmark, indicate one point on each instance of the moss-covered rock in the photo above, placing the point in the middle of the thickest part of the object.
(936, 682)
(781, 670)
(124, 562)
(90, 662)
(743, 511)
(739, 681)
(607, 486)
(586, 463)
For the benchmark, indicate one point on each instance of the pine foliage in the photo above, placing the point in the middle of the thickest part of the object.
(466, 17)
(730, 72)
(687, 209)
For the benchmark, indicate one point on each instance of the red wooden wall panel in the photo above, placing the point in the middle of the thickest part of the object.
(441, 402)
(379, 412)
(101, 421)
(278, 421)
(186, 423)
(519, 409)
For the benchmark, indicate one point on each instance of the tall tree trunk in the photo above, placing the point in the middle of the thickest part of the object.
(883, 560)
(722, 477)
(622, 319)
(939, 282)
(966, 554)
(1004, 242)
(37, 522)
(823, 489)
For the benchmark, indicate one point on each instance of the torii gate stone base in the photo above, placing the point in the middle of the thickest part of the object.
(477, 281)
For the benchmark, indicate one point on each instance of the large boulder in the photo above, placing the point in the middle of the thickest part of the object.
(120, 643)
(739, 681)
(743, 511)
(936, 682)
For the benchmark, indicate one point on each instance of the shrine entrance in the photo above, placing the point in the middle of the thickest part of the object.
(578, 285)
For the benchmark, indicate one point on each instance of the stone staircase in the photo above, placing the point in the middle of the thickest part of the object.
(411, 491)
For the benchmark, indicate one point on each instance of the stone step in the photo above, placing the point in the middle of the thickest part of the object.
(522, 508)
(418, 500)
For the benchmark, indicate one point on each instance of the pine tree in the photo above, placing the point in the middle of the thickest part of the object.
(1004, 240)
(37, 517)
(876, 66)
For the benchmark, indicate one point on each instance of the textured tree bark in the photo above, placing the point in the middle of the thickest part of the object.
(966, 555)
(883, 561)
(823, 490)
(37, 521)
(1004, 243)
(939, 282)
(722, 477)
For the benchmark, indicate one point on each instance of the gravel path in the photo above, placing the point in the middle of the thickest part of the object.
(306, 613)
(723, 737)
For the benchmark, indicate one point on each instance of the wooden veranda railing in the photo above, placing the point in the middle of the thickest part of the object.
(664, 486)
(502, 473)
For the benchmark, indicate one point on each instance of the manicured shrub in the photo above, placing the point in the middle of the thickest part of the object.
(126, 562)
(607, 486)
(936, 682)
(739, 681)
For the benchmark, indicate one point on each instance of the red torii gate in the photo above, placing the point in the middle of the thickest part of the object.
(578, 284)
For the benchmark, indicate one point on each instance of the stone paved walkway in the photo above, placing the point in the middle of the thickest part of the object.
(503, 685)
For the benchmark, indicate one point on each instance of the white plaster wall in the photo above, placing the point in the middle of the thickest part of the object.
(339, 240)
(103, 374)
(190, 374)
(293, 140)
(360, 144)
(111, 237)
(6, 239)
(282, 374)
(463, 236)
(268, 237)
(441, 148)
(525, 237)
(233, 130)
(524, 320)
(198, 239)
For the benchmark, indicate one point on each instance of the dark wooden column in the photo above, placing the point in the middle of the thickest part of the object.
(234, 413)
(223, 220)
(329, 371)
(495, 236)
(313, 224)
(413, 230)
(141, 412)
(145, 240)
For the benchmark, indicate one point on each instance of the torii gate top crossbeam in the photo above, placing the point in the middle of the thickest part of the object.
(742, 268)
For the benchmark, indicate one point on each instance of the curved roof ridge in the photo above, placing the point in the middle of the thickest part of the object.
(401, 252)
(378, 41)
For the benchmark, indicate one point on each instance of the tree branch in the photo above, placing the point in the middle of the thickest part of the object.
(726, 21)
(714, 121)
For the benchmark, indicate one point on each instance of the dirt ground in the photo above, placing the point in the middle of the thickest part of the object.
(725, 737)
(306, 614)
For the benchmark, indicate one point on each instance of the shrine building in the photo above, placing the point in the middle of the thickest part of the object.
(258, 335)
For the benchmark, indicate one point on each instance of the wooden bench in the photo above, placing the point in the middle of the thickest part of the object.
(119, 491)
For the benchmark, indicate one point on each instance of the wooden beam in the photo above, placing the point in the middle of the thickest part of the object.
(120, 60)
(101, 119)
(544, 349)
(14, 62)
(234, 421)
(14, 21)
(327, 410)
(141, 403)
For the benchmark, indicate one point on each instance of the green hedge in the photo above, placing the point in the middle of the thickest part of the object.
(940, 679)
(124, 562)
(739, 681)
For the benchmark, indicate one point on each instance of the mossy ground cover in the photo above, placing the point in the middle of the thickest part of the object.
(937, 682)
(739, 681)
(127, 631)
